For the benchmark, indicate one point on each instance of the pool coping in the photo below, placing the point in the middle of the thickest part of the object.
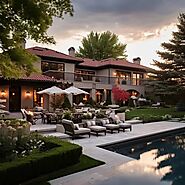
(139, 139)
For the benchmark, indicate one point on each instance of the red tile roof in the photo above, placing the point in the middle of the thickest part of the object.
(39, 51)
(38, 77)
(111, 62)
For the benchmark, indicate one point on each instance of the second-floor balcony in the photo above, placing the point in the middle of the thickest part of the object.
(75, 77)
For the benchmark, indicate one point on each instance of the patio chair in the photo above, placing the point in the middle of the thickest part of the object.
(23, 114)
(91, 124)
(74, 129)
(105, 122)
(119, 120)
(30, 117)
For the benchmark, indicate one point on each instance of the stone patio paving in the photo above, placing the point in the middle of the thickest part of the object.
(106, 174)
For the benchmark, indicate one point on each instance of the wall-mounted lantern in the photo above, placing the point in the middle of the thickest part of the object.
(3, 93)
(28, 93)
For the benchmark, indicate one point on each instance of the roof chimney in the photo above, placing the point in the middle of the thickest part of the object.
(71, 51)
(137, 60)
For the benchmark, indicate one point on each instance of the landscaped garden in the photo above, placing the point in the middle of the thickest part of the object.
(24, 156)
(154, 114)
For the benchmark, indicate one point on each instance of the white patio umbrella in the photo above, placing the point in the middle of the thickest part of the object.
(53, 90)
(75, 91)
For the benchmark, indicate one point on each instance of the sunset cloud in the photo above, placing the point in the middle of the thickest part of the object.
(139, 23)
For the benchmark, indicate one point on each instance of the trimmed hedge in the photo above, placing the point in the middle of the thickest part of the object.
(36, 164)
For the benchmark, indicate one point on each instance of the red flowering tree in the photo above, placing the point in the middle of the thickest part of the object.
(120, 95)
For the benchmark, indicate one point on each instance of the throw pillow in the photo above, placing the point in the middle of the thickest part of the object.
(103, 122)
(107, 121)
(117, 119)
(93, 123)
(88, 123)
(76, 127)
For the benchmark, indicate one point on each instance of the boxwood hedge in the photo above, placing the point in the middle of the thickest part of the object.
(36, 164)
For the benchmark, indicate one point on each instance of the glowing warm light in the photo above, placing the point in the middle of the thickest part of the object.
(28, 93)
(3, 93)
(85, 98)
(114, 73)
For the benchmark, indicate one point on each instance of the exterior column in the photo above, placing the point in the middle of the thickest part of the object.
(105, 94)
(131, 78)
(93, 92)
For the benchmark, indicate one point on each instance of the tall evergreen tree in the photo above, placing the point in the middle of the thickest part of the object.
(101, 46)
(170, 79)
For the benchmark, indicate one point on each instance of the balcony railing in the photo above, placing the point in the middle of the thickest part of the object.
(93, 79)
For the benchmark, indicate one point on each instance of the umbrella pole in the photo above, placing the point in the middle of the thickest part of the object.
(54, 102)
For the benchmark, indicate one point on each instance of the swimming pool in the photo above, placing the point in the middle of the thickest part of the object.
(155, 162)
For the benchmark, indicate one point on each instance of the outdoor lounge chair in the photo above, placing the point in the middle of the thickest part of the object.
(91, 124)
(121, 122)
(73, 129)
(105, 122)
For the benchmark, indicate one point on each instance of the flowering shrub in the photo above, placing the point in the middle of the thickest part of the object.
(16, 140)
(87, 115)
(120, 95)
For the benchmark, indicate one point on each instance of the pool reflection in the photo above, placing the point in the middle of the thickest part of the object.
(158, 162)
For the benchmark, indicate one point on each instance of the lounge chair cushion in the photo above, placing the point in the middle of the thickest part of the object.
(97, 128)
(88, 123)
(112, 126)
(93, 123)
(82, 130)
(103, 122)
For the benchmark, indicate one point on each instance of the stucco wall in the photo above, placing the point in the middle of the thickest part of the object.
(26, 98)
(5, 97)
(69, 67)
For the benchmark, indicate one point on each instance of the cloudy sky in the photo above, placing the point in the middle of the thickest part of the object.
(141, 24)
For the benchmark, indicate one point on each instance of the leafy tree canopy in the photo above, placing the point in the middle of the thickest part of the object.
(101, 46)
(26, 19)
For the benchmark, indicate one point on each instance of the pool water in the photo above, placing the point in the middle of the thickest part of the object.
(157, 162)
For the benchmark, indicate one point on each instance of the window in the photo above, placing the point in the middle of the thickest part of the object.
(123, 77)
(137, 79)
(85, 75)
(46, 66)
(37, 98)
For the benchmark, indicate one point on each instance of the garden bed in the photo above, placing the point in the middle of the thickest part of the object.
(61, 155)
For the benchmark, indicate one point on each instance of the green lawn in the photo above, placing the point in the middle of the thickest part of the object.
(153, 112)
(85, 163)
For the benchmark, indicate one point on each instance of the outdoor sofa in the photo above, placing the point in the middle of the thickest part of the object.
(74, 129)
